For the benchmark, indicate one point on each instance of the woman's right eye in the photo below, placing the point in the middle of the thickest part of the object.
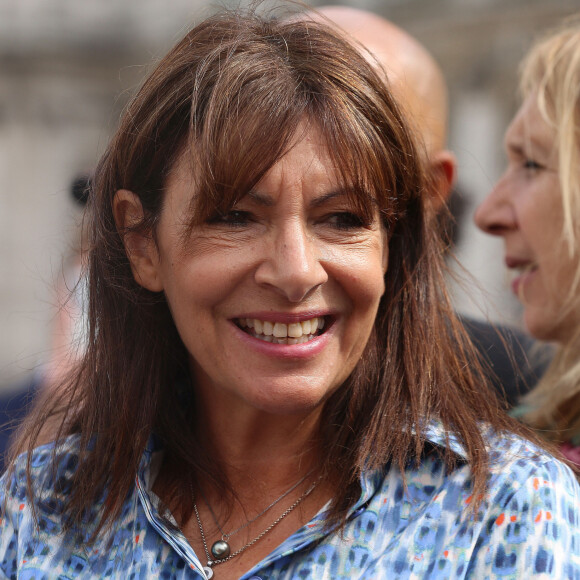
(531, 164)
(234, 218)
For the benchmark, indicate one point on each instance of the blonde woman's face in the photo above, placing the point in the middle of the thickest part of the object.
(525, 209)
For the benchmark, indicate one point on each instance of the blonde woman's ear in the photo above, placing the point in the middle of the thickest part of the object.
(140, 246)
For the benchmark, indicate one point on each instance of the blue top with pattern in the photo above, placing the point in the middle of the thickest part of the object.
(528, 525)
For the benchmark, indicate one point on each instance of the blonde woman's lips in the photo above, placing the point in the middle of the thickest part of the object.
(524, 271)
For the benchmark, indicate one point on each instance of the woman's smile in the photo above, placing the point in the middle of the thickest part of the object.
(523, 274)
(286, 337)
(278, 332)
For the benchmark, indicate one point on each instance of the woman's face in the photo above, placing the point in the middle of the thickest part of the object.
(276, 299)
(525, 208)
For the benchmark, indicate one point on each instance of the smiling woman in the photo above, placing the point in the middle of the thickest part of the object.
(275, 383)
(535, 208)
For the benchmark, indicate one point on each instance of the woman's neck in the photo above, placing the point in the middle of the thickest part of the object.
(247, 441)
(265, 481)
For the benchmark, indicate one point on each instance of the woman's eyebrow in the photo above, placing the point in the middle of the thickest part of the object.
(261, 198)
(321, 200)
(266, 200)
(339, 193)
(530, 147)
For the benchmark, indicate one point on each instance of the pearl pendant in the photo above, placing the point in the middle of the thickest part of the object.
(208, 572)
(220, 550)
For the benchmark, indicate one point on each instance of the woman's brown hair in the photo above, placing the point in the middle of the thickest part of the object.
(232, 94)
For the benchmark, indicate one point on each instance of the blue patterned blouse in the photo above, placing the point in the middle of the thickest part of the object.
(528, 526)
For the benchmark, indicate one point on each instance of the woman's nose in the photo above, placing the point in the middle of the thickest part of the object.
(292, 264)
(495, 215)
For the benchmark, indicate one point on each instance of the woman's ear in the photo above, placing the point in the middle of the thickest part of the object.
(140, 246)
(385, 257)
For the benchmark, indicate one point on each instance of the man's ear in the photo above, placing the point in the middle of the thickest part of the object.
(140, 246)
(444, 170)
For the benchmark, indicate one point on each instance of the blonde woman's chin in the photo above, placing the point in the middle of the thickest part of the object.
(549, 324)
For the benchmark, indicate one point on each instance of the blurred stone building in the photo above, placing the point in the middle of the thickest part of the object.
(68, 67)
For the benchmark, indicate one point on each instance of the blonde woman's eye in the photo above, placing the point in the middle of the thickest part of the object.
(532, 165)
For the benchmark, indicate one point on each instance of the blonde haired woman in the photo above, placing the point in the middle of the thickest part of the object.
(535, 208)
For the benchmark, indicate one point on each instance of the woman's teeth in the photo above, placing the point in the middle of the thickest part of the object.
(525, 268)
(281, 333)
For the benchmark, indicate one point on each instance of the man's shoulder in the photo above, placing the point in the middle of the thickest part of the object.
(515, 360)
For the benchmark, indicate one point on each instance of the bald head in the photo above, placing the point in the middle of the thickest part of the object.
(414, 76)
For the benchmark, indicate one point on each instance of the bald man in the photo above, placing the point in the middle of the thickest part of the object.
(419, 87)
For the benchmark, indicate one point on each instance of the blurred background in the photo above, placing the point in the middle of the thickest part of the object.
(67, 68)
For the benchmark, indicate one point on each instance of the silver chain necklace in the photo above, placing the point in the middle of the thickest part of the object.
(220, 550)
(226, 537)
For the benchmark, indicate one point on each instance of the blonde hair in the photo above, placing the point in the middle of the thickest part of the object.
(551, 72)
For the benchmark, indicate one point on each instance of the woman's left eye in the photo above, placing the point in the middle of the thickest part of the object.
(234, 217)
(345, 220)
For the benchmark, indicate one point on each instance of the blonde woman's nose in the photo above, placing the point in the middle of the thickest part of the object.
(495, 215)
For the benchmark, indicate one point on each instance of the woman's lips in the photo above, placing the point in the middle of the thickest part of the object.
(311, 341)
(526, 273)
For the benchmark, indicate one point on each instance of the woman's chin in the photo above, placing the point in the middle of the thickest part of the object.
(287, 400)
(549, 328)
